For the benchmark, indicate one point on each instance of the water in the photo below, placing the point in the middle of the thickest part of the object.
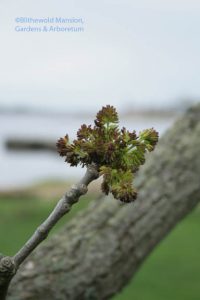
(23, 168)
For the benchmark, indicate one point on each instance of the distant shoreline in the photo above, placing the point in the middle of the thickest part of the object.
(127, 113)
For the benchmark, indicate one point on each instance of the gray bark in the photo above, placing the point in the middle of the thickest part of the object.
(63, 206)
(96, 254)
(10, 265)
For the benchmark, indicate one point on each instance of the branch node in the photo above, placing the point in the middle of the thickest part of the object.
(7, 269)
(41, 230)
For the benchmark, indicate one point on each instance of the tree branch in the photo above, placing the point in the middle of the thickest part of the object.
(63, 206)
(9, 265)
(7, 271)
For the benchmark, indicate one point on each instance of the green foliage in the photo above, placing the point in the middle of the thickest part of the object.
(21, 215)
(117, 153)
(177, 255)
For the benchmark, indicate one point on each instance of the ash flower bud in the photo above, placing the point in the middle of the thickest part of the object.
(116, 153)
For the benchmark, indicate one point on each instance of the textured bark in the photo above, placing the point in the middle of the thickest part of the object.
(63, 206)
(7, 271)
(97, 253)
(10, 265)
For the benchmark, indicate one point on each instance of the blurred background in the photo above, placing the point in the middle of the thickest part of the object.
(140, 56)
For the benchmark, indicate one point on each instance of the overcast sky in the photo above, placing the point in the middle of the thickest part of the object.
(131, 53)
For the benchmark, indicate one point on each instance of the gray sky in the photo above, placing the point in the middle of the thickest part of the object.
(131, 53)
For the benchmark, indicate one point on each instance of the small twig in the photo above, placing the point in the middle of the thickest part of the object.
(63, 206)
(10, 265)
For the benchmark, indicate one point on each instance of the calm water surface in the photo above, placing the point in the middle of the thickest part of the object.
(24, 168)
